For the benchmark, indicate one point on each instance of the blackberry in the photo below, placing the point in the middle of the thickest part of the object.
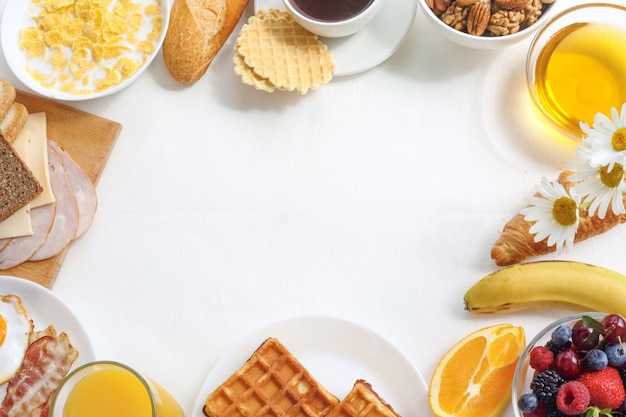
(546, 384)
(553, 411)
(556, 349)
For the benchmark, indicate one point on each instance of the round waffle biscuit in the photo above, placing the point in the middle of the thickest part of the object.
(277, 49)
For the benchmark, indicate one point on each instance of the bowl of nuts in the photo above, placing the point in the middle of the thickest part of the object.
(486, 24)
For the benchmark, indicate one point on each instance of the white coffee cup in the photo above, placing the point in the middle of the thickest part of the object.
(333, 18)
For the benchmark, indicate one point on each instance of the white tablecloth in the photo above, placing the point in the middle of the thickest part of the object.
(374, 199)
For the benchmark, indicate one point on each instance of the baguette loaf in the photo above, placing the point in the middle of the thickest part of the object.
(196, 32)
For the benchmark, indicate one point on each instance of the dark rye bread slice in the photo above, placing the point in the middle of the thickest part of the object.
(18, 185)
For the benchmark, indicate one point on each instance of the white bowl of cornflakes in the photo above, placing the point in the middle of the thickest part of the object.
(81, 49)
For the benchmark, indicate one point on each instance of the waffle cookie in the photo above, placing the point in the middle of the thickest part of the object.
(271, 383)
(273, 52)
(363, 401)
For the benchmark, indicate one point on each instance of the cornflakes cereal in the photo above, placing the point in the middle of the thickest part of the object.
(86, 46)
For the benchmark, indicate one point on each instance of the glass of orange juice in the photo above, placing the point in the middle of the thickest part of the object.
(107, 388)
(576, 65)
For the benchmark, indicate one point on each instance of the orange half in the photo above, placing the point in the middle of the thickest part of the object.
(475, 377)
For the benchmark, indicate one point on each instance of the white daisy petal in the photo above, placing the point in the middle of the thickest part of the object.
(540, 211)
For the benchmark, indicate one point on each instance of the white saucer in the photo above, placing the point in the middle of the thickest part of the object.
(371, 46)
(336, 353)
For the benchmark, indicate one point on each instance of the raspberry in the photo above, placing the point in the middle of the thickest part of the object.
(605, 388)
(572, 398)
(541, 358)
(546, 384)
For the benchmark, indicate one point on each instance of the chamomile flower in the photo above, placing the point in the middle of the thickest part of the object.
(607, 138)
(555, 214)
(599, 186)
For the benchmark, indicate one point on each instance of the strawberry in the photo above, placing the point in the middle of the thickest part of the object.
(606, 389)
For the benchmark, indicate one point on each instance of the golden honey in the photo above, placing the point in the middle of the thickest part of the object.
(581, 71)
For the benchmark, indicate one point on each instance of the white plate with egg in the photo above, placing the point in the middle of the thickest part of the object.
(371, 46)
(100, 62)
(336, 352)
(44, 308)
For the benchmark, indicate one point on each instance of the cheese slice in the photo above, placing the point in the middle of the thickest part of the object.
(38, 157)
(32, 147)
(18, 224)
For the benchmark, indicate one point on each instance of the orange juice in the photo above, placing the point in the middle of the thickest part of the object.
(109, 392)
(105, 389)
(581, 71)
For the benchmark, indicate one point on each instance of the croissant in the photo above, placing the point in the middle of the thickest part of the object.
(516, 243)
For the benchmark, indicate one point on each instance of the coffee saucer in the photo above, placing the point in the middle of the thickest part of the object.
(371, 46)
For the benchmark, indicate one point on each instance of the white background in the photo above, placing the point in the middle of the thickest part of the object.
(375, 199)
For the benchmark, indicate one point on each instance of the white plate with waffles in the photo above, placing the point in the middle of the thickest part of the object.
(45, 308)
(337, 353)
(371, 46)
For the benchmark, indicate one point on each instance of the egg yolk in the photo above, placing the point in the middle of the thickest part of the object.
(3, 330)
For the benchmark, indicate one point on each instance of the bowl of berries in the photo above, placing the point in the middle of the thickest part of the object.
(574, 367)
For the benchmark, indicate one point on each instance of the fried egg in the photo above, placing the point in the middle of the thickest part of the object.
(15, 330)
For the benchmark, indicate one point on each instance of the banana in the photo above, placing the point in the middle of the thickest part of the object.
(549, 284)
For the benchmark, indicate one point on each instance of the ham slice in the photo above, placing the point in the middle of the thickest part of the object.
(20, 249)
(48, 360)
(65, 220)
(55, 225)
(84, 190)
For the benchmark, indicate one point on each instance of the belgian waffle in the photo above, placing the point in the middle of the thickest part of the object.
(271, 383)
(272, 52)
(363, 401)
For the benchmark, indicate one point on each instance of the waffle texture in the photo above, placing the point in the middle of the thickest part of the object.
(363, 401)
(271, 383)
(274, 52)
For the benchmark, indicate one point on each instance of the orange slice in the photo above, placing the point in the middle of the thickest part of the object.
(475, 377)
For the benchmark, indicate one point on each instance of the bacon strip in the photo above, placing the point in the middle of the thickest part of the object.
(47, 362)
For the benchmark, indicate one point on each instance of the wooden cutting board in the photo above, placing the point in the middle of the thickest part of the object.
(89, 139)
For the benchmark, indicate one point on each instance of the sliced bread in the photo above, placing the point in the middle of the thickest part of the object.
(13, 121)
(7, 96)
(18, 185)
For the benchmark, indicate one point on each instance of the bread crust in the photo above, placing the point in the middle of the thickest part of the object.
(13, 121)
(196, 32)
(7, 96)
(516, 243)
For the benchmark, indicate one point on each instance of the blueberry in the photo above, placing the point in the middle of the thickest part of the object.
(527, 403)
(597, 360)
(615, 355)
(561, 335)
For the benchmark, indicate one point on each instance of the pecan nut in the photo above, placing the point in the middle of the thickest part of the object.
(465, 3)
(513, 4)
(478, 18)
